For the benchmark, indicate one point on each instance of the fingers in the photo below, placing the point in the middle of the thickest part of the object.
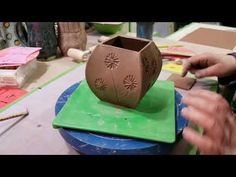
(188, 65)
(186, 68)
(206, 102)
(213, 113)
(209, 103)
(210, 97)
(201, 60)
(199, 118)
(213, 70)
(209, 111)
(196, 63)
(213, 127)
(203, 143)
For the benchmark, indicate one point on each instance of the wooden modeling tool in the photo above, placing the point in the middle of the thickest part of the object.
(23, 114)
(80, 55)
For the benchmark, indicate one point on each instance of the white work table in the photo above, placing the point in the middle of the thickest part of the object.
(34, 134)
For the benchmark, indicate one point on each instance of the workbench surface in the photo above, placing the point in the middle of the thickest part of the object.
(35, 134)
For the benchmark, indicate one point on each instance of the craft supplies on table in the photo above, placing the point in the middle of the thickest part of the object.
(17, 64)
(8, 95)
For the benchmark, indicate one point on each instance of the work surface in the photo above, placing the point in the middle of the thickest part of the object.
(34, 134)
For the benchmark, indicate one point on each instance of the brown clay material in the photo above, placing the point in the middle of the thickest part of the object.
(71, 35)
(122, 69)
(185, 83)
(212, 37)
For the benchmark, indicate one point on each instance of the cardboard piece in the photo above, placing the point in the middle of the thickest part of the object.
(122, 69)
(185, 83)
(212, 37)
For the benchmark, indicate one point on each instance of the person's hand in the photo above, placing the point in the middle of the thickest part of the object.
(213, 114)
(71, 35)
(209, 64)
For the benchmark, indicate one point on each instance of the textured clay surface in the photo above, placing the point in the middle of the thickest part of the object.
(122, 69)
(185, 83)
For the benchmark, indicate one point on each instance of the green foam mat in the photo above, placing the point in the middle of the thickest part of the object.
(153, 119)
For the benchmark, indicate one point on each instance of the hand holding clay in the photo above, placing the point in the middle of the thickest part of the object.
(209, 64)
(71, 35)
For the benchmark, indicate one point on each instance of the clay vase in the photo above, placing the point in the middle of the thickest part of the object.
(71, 35)
(122, 69)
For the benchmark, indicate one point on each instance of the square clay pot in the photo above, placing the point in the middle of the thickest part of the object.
(122, 69)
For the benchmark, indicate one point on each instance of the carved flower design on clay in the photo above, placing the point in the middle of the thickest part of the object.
(99, 84)
(130, 83)
(111, 60)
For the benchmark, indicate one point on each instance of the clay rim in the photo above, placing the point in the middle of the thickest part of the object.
(127, 37)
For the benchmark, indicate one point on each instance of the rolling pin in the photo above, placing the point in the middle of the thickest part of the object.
(80, 55)
(103, 38)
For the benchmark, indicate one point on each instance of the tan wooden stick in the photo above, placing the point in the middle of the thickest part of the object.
(25, 113)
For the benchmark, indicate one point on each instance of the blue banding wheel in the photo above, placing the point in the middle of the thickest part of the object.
(97, 143)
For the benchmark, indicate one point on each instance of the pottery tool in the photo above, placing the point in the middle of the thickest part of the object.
(178, 62)
(23, 114)
(101, 144)
(80, 55)
(103, 38)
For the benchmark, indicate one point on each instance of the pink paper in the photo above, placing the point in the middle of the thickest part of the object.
(181, 51)
(16, 56)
